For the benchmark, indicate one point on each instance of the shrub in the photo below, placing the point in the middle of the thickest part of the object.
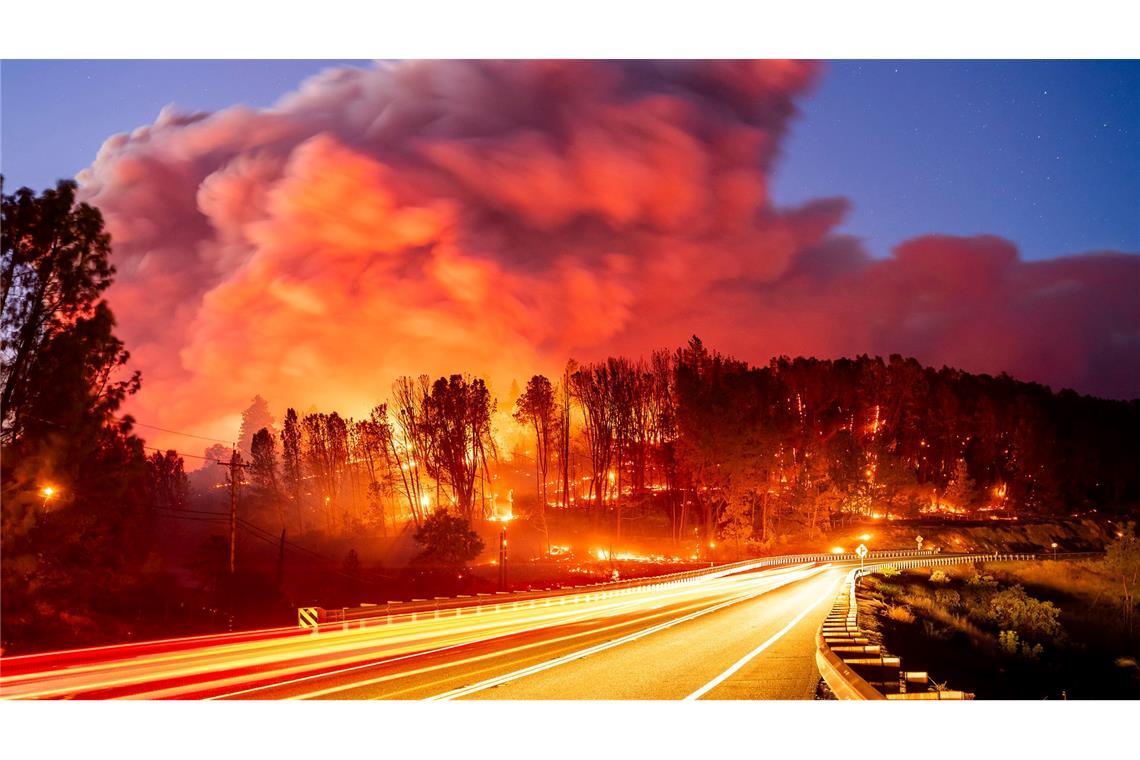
(888, 571)
(1009, 643)
(947, 597)
(900, 614)
(983, 581)
(938, 576)
(1015, 610)
(891, 589)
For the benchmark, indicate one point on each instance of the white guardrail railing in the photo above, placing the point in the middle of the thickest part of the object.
(367, 615)
(842, 649)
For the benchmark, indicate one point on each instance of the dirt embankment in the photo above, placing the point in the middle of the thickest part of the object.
(1030, 536)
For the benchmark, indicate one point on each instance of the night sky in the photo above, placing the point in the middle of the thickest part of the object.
(1041, 152)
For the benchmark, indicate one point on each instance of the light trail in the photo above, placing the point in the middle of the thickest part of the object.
(661, 598)
(498, 653)
(257, 660)
(524, 672)
(546, 643)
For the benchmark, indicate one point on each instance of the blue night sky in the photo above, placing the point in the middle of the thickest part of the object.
(1043, 153)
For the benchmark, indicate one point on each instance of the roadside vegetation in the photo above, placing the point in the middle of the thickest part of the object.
(1033, 630)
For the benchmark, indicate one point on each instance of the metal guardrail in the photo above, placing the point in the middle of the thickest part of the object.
(422, 609)
(841, 646)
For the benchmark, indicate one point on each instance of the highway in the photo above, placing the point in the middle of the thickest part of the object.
(738, 635)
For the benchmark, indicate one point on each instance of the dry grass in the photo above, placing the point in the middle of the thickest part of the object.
(1080, 578)
(900, 614)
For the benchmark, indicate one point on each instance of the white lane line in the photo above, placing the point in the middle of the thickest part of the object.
(829, 594)
(533, 669)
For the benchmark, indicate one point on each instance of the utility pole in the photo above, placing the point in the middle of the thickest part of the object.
(235, 465)
(281, 561)
(570, 366)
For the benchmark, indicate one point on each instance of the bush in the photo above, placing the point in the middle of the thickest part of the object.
(891, 589)
(1015, 610)
(938, 576)
(448, 541)
(982, 581)
(888, 571)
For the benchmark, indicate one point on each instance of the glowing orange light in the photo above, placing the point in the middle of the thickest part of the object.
(838, 550)
(48, 491)
(865, 537)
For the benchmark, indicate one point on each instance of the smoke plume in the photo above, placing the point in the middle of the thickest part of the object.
(499, 217)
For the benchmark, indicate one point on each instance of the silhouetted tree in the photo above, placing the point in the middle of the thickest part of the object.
(448, 541)
(291, 464)
(169, 486)
(254, 418)
(63, 381)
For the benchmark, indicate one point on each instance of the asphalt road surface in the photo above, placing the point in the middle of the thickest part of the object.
(745, 635)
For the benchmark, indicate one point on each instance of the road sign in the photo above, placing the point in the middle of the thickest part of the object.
(308, 617)
(861, 551)
(918, 542)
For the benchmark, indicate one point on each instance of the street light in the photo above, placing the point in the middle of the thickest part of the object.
(1054, 545)
(47, 492)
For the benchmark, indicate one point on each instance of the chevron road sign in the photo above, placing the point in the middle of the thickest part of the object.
(308, 617)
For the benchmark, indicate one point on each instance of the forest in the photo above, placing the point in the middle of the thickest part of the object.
(705, 441)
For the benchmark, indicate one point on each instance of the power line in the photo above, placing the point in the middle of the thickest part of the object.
(176, 432)
(150, 448)
(181, 454)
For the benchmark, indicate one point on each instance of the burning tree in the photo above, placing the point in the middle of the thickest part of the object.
(591, 387)
(536, 406)
(411, 452)
(326, 457)
(456, 420)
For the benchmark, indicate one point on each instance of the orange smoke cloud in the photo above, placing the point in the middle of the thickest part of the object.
(498, 217)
